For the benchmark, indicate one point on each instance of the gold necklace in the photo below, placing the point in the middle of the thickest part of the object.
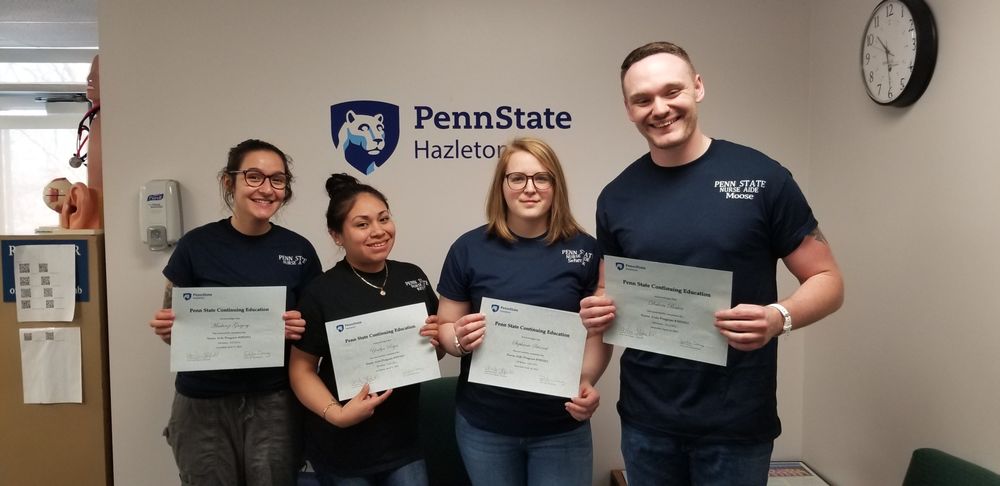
(381, 289)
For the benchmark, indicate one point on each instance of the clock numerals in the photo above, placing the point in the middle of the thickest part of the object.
(889, 10)
(880, 88)
(902, 83)
(870, 40)
(868, 58)
(889, 93)
(871, 77)
(876, 21)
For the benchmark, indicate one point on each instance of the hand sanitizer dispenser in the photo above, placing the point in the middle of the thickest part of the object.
(160, 213)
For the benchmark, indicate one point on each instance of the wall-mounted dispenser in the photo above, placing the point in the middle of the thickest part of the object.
(160, 213)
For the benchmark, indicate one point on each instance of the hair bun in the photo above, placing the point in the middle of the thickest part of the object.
(338, 182)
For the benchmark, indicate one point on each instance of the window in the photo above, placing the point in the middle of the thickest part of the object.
(37, 138)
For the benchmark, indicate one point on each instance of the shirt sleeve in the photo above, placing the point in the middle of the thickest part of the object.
(454, 283)
(314, 337)
(791, 217)
(179, 269)
(606, 241)
(430, 298)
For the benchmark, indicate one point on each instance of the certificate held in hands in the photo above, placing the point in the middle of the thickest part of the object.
(384, 349)
(530, 348)
(668, 309)
(223, 328)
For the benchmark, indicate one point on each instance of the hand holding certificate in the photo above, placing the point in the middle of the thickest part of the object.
(668, 309)
(221, 328)
(383, 349)
(530, 348)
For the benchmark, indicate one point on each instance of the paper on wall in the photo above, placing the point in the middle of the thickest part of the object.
(50, 365)
(45, 282)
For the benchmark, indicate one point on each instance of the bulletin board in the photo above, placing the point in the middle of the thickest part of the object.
(59, 443)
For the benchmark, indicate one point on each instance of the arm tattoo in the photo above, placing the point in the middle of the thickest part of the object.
(168, 294)
(818, 235)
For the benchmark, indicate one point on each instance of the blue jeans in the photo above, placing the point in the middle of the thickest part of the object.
(412, 474)
(504, 460)
(658, 460)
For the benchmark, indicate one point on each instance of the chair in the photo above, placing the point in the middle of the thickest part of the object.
(437, 433)
(931, 467)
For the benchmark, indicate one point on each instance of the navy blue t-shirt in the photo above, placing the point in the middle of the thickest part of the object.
(527, 271)
(732, 209)
(217, 255)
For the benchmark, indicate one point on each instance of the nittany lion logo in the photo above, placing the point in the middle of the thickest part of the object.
(619, 266)
(366, 132)
(340, 328)
(187, 296)
(494, 307)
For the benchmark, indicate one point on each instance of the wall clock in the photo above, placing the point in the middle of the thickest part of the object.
(898, 51)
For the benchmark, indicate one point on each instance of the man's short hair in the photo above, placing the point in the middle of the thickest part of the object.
(660, 47)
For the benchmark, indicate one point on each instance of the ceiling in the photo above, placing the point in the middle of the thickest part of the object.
(48, 23)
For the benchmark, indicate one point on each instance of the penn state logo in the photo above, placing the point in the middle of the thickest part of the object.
(187, 295)
(619, 266)
(365, 132)
(494, 307)
(340, 328)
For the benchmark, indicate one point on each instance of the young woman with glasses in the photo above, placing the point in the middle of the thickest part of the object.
(349, 441)
(531, 251)
(240, 426)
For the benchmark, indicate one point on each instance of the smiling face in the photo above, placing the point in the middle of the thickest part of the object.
(368, 233)
(662, 93)
(528, 208)
(253, 207)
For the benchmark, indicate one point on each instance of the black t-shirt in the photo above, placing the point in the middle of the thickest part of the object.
(732, 209)
(217, 255)
(389, 438)
(527, 271)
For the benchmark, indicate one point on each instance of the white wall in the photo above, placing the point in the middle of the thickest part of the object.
(910, 206)
(184, 81)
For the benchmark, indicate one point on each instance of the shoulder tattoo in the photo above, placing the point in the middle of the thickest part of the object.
(818, 235)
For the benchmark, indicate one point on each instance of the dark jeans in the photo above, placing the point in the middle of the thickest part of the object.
(412, 474)
(658, 460)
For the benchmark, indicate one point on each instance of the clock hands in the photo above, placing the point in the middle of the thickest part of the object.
(888, 53)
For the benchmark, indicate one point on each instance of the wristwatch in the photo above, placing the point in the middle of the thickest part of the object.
(787, 326)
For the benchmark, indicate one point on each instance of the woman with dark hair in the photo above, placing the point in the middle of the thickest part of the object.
(348, 443)
(240, 426)
(531, 251)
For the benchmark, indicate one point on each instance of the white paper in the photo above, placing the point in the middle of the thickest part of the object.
(223, 328)
(45, 282)
(668, 309)
(530, 348)
(384, 349)
(50, 365)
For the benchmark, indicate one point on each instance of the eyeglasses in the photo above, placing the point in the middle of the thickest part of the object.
(254, 178)
(517, 181)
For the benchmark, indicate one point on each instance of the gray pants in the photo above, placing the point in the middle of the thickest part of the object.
(237, 440)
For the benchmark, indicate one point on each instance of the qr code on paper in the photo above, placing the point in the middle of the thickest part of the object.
(50, 335)
(47, 292)
(50, 304)
(24, 281)
(46, 280)
(27, 336)
(25, 304)
(26, 293)
(23, 268)
(43, 267)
